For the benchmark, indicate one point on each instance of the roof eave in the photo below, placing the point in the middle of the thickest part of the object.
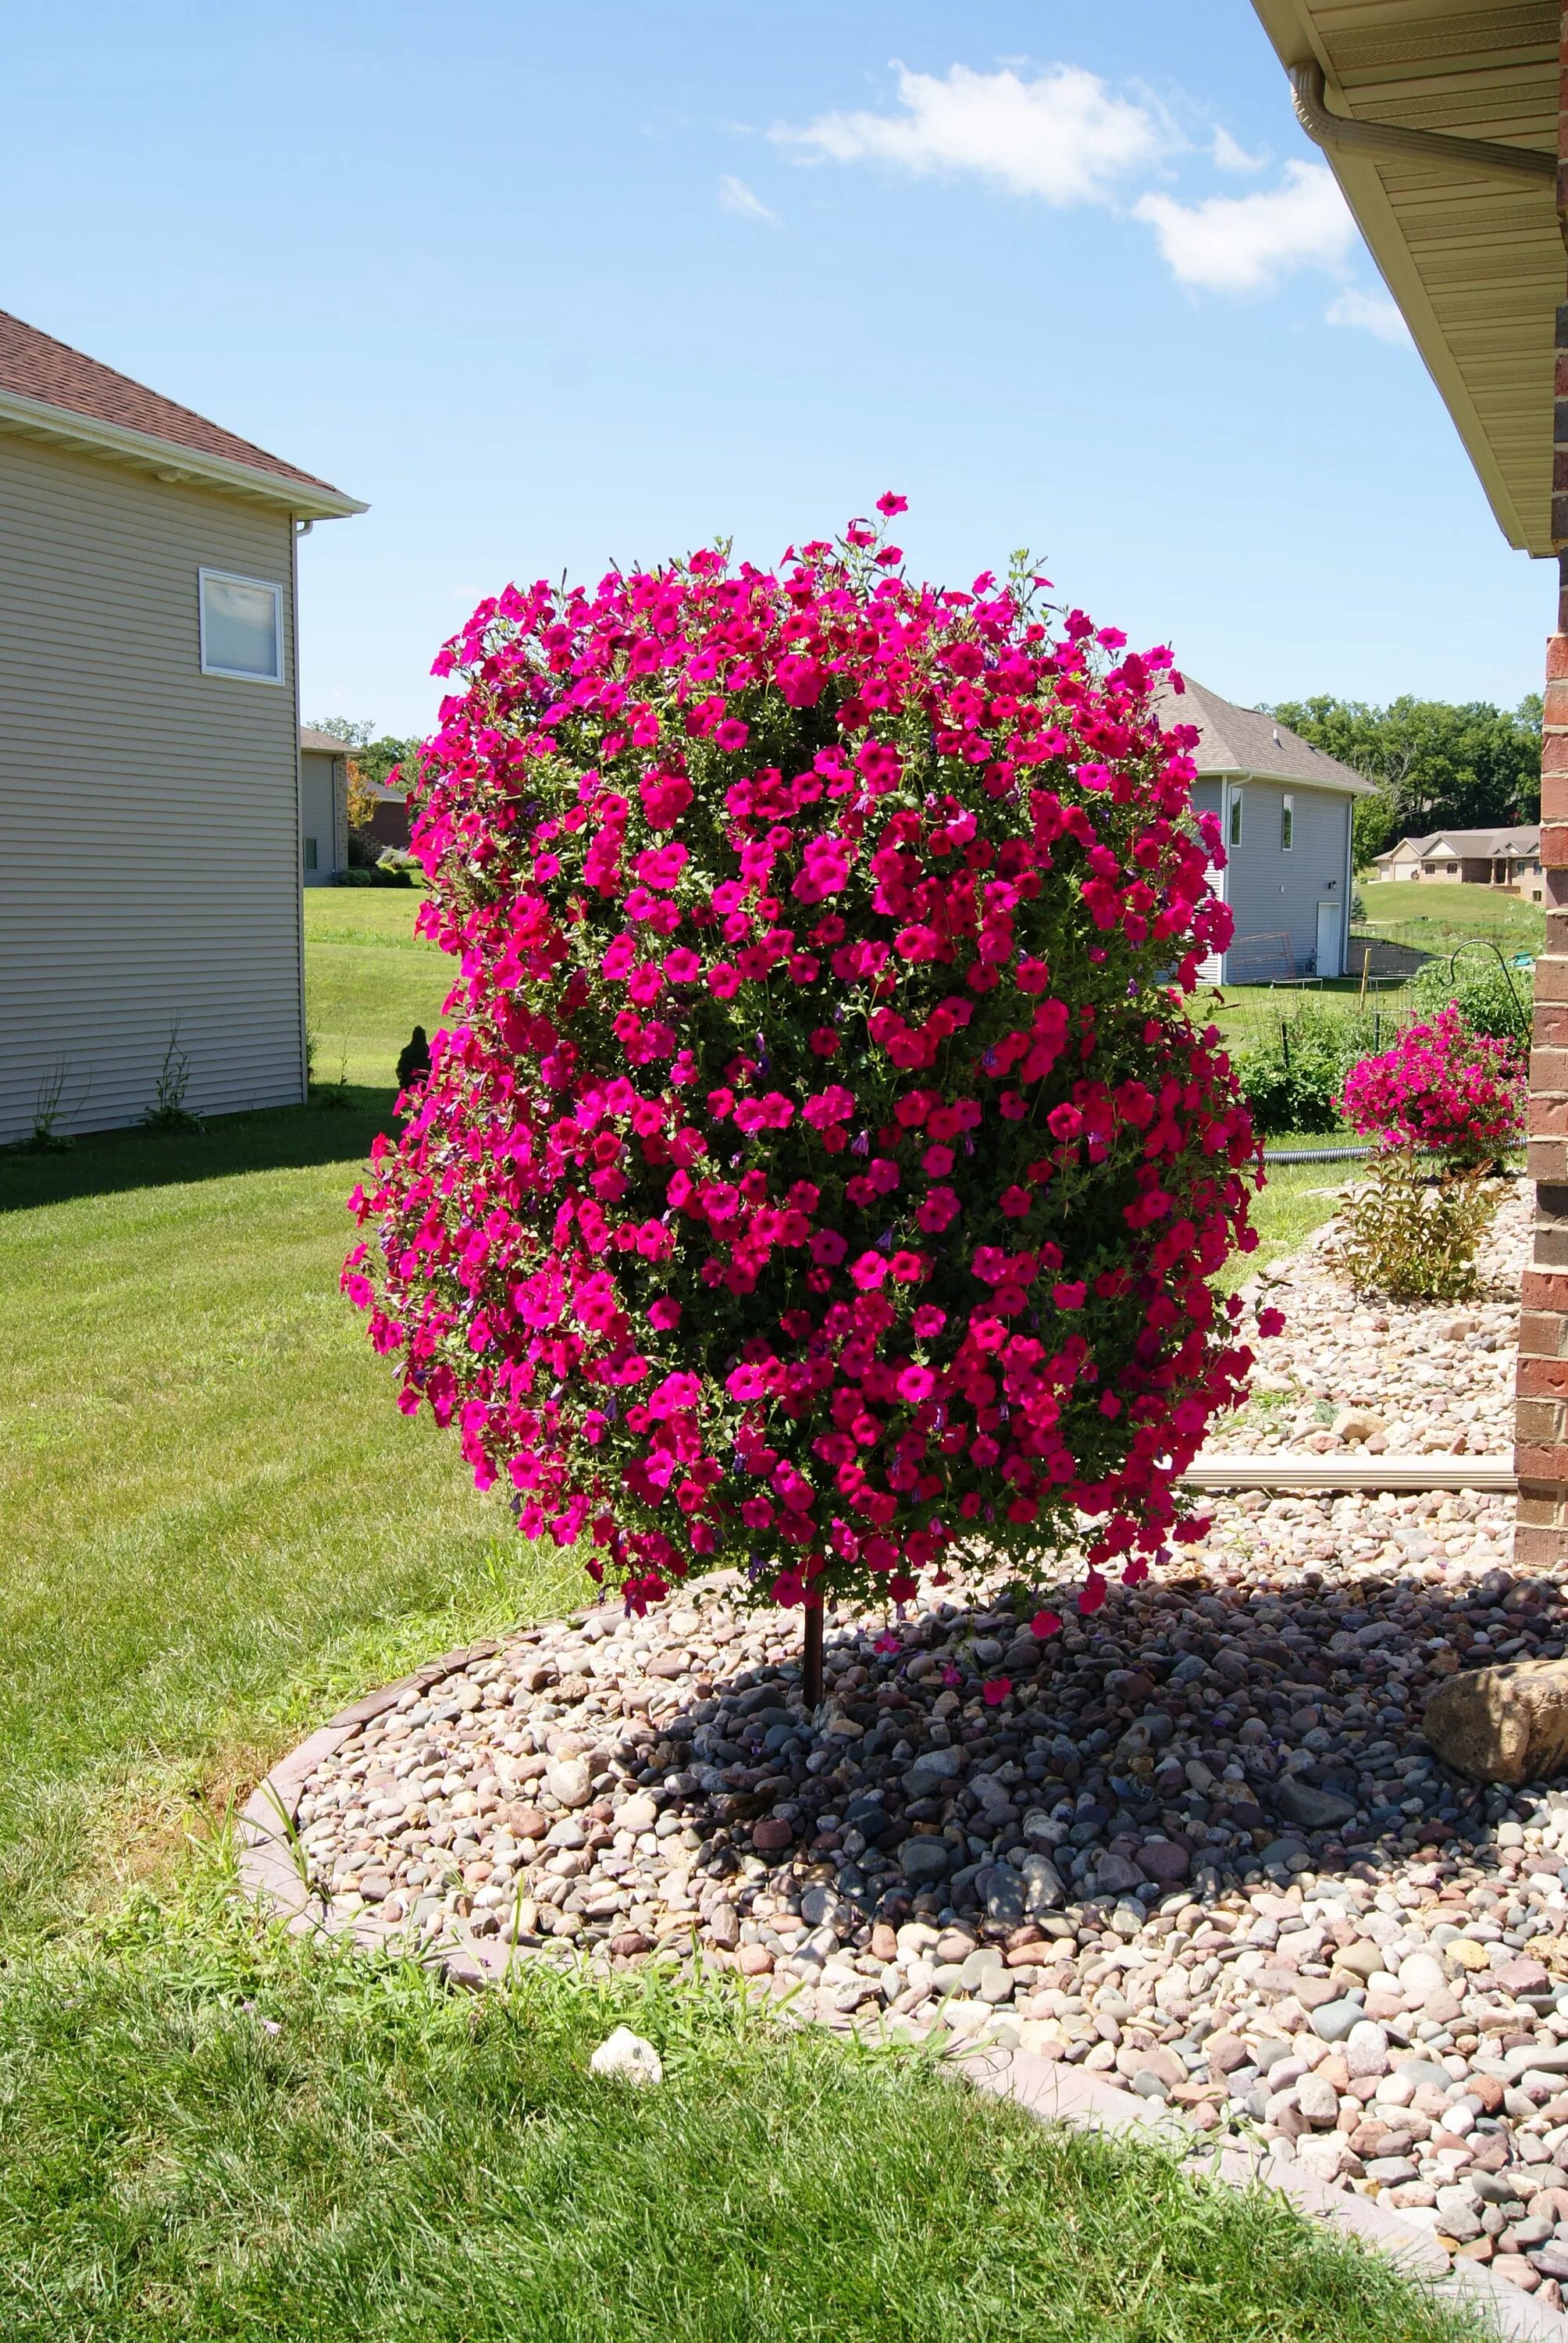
(1351, 787)
(168, 460)
(1295, 41)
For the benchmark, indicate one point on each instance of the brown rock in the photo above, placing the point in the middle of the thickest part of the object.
(771, 1833)
(1516, 2271)
(1488, 2089)
(884, 1942)
(1504, 1724)
(1226, 2052)
(528, 1822)
(755, 1960)
(630, 1943)
(724, 1927)
(1334, 2072)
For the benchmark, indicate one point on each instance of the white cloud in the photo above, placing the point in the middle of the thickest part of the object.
(735, 196)
(1373, 312)
(1230, 156)
(1062, 134)
(1245, 244)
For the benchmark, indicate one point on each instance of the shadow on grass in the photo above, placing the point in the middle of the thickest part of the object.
(336, 1127)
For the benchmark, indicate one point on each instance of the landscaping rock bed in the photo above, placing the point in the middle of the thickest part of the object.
(1195, 1844)
(1394, 1377)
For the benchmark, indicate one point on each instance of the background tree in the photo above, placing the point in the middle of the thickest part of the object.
(1437, 764)
(373, 756)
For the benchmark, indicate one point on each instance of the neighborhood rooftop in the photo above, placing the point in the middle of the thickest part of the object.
(1523, 838)
(1233, 739)
(43, 373)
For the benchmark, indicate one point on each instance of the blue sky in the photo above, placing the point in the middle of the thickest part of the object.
(548, 287)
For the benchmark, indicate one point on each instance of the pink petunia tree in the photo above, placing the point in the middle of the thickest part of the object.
(822, 1166)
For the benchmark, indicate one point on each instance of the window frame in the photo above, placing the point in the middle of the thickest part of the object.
(1287, 821)
(263, 585)
(311, 853)
(1233, 820)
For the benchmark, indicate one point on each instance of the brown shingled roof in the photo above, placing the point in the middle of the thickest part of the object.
(35, 365)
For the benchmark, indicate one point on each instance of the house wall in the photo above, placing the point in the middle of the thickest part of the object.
(1274, 896)
(319, 815)
(150, 813)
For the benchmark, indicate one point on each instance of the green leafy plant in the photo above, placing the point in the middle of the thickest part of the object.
(46, 1138)
(1492, 998)
(168, 1111)
(1413, 1236)
(1294, 1079)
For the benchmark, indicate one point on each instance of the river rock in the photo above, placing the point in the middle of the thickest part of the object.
(1506, 1723)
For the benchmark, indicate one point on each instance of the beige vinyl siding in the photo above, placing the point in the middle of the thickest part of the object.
(150, 813)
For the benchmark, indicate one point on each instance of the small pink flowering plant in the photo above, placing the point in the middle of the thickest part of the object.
(820, 1161)
(1442, 1088)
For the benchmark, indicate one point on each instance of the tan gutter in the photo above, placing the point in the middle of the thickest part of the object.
(1340, 134)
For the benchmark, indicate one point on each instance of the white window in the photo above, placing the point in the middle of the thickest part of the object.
(1287, 823)
(1235, 817)
(311, 862)
(241, 626)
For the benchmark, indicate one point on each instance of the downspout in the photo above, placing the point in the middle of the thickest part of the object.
(1338, 133)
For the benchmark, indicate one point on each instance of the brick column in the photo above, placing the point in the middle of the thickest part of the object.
(1540, 1413)
(1540, 1404)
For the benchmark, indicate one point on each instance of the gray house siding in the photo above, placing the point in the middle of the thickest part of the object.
(319, 819)
(150, 813)
(1274, 896)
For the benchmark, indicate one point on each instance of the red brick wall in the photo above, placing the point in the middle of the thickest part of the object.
(1540, 1406)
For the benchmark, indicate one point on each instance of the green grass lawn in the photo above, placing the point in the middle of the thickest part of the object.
(1437, 919)
(368, 980)
(202, 2137)
(217, 1526)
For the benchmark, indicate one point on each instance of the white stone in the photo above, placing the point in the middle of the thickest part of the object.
(627, 2057)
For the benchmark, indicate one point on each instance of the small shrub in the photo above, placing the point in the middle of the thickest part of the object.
(1294, 1079)
(1443, 1087)
(1413, 1236)
(1491, 1000)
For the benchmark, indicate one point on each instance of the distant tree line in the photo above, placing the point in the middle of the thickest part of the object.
(1436, 766)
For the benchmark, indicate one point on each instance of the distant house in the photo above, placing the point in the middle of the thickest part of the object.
(1506, 859)
(150, 766)
(1284, 813)
(389, 823)
(323, 807)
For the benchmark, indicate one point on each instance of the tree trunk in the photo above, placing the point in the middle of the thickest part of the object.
(812, 1654)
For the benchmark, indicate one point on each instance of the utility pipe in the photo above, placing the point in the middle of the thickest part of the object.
(1341, 134)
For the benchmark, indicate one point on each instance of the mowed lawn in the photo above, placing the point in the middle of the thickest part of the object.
(217, 1526)
(1436, 918)
(216, 1521)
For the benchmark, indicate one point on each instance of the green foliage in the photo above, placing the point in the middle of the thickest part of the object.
(1291, 1080)
(1412, 1236)
(1466, 767)
(373, 757)
(1493, 1001)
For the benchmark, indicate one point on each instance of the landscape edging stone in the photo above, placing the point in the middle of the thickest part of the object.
(1048, 2089)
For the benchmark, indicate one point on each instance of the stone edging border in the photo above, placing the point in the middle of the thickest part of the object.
(1050, 2091)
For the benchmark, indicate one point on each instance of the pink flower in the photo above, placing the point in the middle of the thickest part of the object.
(868, 1271)
(1271, 1324)
(951, 1675)
(885, 1643)
(731, 735)
(1045, 1625)
(916, 1383)
(995, 1690)
(1071, 1294)
(827, 1248)
(888, 504)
